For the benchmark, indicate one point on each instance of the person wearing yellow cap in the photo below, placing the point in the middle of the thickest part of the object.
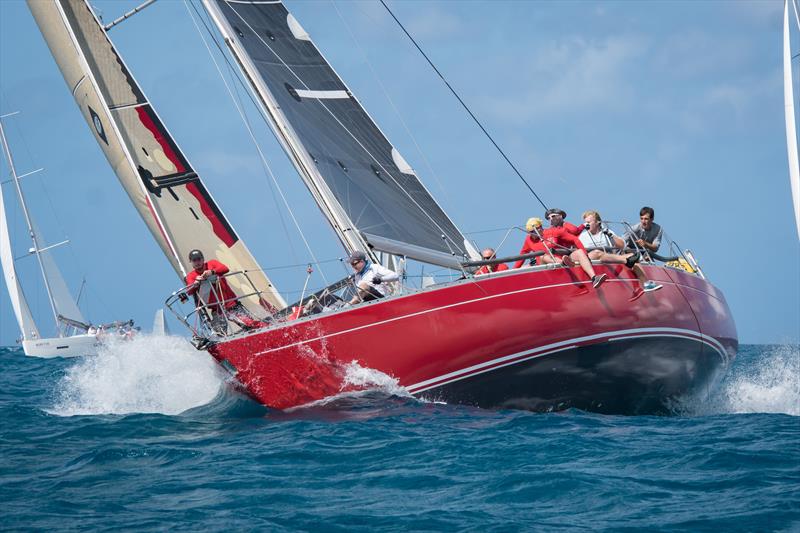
(558, 239)
(534, 243)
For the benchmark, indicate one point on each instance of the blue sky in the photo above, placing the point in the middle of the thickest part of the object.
(606, 106)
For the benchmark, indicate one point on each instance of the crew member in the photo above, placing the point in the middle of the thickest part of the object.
(646, 234)
(605, 242)
(370, 278)
(559, 237)
(208, 285)
(488, 254)
(533, 243)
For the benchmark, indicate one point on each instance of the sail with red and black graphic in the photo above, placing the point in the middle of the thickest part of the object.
(166, 190)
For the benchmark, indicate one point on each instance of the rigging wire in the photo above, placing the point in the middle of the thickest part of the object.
(41, 182)
(346, 129)
(239, 108)
(471, 114)
(243, 116)
(389, 98)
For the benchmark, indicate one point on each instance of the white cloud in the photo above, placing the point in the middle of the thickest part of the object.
(572, 74)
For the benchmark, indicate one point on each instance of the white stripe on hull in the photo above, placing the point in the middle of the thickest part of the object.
(550, 349)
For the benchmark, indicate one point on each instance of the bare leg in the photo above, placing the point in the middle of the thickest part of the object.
(582, 259)
(639, 274)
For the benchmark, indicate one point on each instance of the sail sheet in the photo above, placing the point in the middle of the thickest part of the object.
(163, 186)
(350, 157)
(21, 310)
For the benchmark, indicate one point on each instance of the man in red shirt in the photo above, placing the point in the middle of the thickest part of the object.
(208, 286)
(556, 218)
(560, 236)
(488, 254)
(533, 243)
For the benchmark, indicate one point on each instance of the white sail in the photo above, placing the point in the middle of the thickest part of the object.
(791, 128)
(21, 310)
(62, 298)
(160, 326)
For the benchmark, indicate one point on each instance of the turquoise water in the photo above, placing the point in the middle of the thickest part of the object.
(149, 437)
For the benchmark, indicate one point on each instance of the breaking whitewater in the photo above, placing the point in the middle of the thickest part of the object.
(150, 435)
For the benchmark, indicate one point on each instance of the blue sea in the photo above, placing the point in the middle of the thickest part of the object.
(150, 436)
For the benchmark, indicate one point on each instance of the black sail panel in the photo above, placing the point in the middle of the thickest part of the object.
(374, 185)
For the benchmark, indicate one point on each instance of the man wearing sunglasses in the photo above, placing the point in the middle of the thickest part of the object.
(559, 236)
(487, 255)
(370, 279)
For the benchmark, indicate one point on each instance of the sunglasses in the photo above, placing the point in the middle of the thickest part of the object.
(354, 263)
(487, 258)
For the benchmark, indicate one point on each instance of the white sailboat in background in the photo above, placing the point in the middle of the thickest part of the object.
(74, 336)
(788, 95)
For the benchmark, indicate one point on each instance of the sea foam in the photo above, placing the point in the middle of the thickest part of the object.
(769, 383)
(149, 374)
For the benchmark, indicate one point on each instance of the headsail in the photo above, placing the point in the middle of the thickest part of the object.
(62, 299)
(370, 194)
(791, 129)
(167, 192)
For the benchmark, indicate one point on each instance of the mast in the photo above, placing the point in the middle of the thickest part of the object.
(791, 128)
(290, 141)
(31, 232)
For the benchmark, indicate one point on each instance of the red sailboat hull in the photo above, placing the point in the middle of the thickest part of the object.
(531, 339)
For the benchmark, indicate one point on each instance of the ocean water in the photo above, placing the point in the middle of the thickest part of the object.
(149, 436)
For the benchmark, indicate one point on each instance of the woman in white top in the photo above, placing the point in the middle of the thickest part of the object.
(601, 243)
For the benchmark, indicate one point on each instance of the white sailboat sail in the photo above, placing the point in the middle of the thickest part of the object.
(165, 189)
(21, 310)
(370, 194)
(62, 298)
(791, 128)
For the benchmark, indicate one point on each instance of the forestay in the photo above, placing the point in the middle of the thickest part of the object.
(370, 194)
(167, 192)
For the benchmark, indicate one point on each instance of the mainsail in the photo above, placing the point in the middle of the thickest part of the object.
(21, 310)
(167, 192)
(369, 193)
(791, 128)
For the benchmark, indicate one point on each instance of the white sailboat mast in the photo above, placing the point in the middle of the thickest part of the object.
(31, 232)
(290, 141)
(791, 128)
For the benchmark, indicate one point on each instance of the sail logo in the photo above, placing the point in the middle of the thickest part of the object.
(98, 125)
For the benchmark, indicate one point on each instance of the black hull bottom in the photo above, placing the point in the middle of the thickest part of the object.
(632, 376)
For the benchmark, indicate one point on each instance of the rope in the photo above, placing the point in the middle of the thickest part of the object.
(253, 138)
(389, 98)
(471, 114)
(345, 128)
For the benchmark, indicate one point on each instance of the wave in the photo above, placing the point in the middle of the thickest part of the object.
(763, 379)
(149, 374)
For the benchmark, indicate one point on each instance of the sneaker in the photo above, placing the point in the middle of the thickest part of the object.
(598, 280)
(632, 260)
(650, 286)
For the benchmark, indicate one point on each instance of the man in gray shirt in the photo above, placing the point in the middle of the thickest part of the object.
(646, 234)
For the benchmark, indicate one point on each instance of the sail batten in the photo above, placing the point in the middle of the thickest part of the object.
(163, 186)
(340, 152)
